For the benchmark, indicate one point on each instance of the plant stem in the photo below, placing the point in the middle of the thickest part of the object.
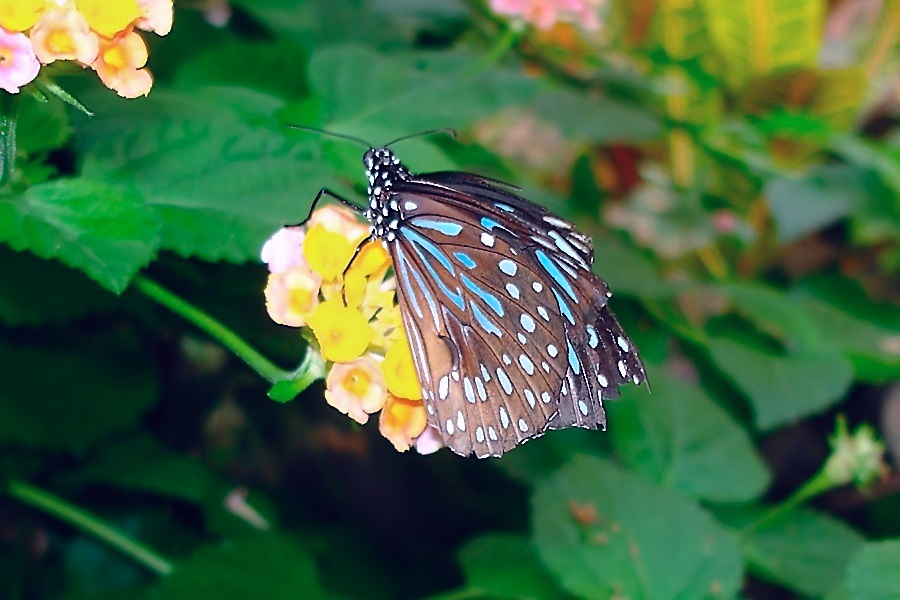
(214, 328)
(818, 484)
(90, 524)
(9, 110)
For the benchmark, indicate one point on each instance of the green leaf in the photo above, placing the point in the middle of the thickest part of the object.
(602, 120)
(68, 398)
(263, 567)
(41, 126)
(214, 165)
(627, 271)
(681, 438)
(143, 464)
(33, 296)
(599, 530)
(874, 572)
(802, 206)
(505, 565)
(869, 332)
(774, 312)
(374, 96)
(753, 38)
(106, 232)
(782, 388)
(803, 550)
(275, 67)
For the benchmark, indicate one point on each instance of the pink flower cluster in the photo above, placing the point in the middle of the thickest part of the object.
(94, 33)
(544, 14)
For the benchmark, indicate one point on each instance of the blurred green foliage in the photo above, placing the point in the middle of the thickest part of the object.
(738, 164)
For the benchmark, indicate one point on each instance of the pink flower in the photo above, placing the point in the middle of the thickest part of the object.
(544, 14)
(356, 388)
(18, 63)
(429, 441)
(292, 296)
(64, 34)
(284, 250)
(156, 16)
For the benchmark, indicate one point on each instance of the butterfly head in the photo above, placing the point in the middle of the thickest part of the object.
(383, 170)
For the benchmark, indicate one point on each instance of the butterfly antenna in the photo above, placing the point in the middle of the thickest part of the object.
(342, 136)
(448, 130)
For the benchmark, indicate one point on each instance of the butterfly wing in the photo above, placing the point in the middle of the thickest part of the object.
(508, 326)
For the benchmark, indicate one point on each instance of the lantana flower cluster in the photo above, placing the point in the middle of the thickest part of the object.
(349, 310)
(99, 34)
(545, 14)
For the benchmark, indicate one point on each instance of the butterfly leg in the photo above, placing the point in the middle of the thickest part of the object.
(327, 192)
(356, 252)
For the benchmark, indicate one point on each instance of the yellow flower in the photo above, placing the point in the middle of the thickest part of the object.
(292, 295)
(343, 333)
(402, 421)
(400, 370)
(119, 65)
(327, 252)
(356, 388)
(372, 258)
(339, 219)
(355, 284)
(19, 15)
(64, 34)
(109, 17)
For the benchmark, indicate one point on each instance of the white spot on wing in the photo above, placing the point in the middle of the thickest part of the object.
(487, 239)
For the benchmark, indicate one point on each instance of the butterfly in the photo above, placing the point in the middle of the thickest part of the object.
(510, 330)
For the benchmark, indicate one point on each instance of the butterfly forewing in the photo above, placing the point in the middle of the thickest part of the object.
(509, 327)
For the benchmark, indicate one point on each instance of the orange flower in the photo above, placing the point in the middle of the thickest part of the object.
(402, 421)
(64, 34)
(356, 388)
(119, 65)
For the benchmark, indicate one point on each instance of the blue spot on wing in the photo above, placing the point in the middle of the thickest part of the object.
(555, 273)
(420, 241)
(445, 227)
(488, 298)
(482, 319)
(564, 308)
(465, 260)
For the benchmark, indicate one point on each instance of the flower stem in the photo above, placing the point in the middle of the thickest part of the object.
(9, 110)
(818, 484)
(214, 328)
(90, 524)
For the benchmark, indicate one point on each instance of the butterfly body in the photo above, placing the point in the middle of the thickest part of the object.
(509, 327)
